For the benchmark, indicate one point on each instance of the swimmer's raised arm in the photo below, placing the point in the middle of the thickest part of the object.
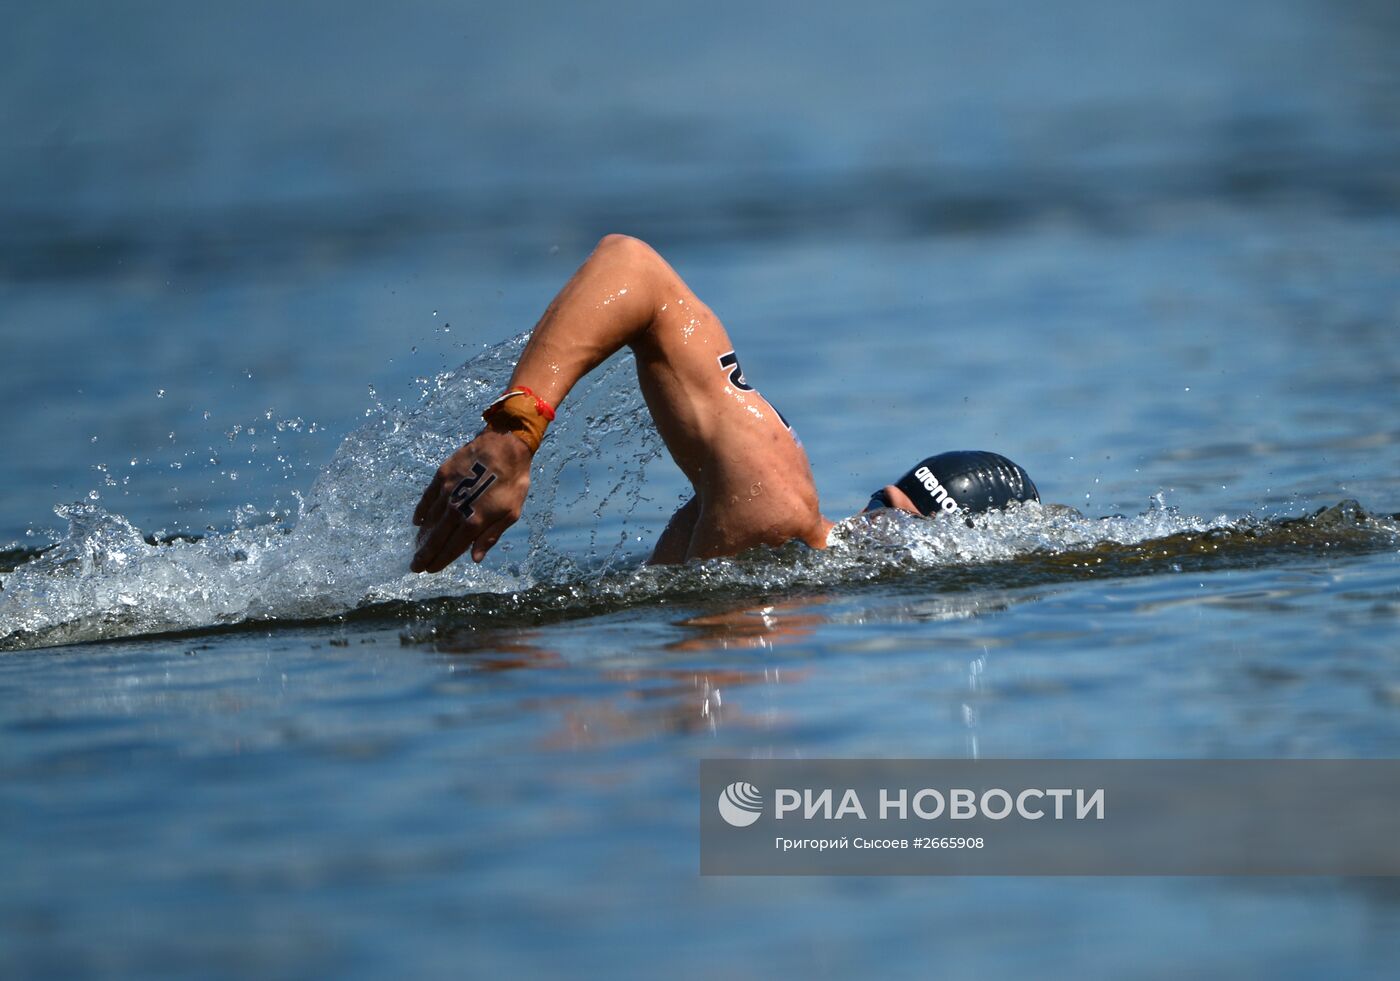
(753, 484)
(606, 304)
(478, 492)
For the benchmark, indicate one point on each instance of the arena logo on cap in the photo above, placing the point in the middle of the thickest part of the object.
(940, 494)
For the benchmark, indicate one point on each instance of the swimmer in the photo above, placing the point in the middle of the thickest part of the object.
(752, 481)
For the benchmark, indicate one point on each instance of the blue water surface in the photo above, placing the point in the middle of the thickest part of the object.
(1148, 251)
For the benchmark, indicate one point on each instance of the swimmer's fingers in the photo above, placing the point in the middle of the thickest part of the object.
(491, 535)
(441, 543)
(458, 543)
(435, 542)
(432, 503)
(438, 508)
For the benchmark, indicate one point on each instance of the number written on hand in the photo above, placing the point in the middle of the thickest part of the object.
(469, 488)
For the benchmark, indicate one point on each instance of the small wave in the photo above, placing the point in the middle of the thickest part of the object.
(347, 551)
(105, 581)
(1023, 547)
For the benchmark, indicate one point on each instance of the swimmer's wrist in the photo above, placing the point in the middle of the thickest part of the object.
(508, 443)
(521, 413)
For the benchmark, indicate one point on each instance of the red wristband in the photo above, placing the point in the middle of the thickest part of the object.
(545, 410)
(541, 406)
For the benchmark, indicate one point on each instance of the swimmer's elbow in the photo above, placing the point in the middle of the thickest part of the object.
(638, 266)
(625, 248)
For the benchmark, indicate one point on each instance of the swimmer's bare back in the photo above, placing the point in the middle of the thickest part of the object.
(753, 484)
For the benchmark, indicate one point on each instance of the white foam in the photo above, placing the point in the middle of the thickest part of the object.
(351, 542)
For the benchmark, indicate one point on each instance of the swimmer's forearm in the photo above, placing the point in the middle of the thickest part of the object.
(478, 492)
(605, 306)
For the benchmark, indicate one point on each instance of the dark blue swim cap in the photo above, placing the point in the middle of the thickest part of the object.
(968, 480)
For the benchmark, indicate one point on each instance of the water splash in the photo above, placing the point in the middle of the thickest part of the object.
(1030, 545)
(351, 541)
(349, 545)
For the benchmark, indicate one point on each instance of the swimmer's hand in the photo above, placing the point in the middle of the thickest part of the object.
(476, 495)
